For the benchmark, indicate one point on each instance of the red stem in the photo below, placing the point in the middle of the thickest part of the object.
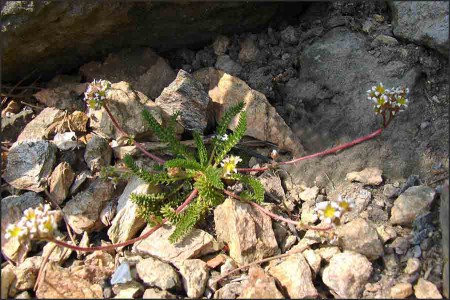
(329, 151)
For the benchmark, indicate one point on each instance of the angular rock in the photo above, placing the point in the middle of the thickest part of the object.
(423, 23)
(266, 124)
(425, 289)
(361, 237)
(216, 261)
(126, 105)
(195, 244)
(195, 275)
(157, 294)
(314, 260)
(26, 273)
(60, 182)
(127, 223)
(369, 176)
(413, 202)
(65, 97)
(129, 290)
(79, 180)
(229, 291)
(142, 68)
(13, 125)
(272, 184)
(98, 153)
(84, 208)
(347, 274)
(247, 232)
(226, 64)
(59, 254)
(309, 194)
(220, 45)
(185, 94)
(77, 121)
(41, 126)
(401, 290)
(97, 268)
(62, 284)
(294, 275)
(156, 273)
(260, 286)
(249, 50)
(24, 295)
(29, 165)
(386, 233)
(383, 39)
(7, 279)
(289, 35)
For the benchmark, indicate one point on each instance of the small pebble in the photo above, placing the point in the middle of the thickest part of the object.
(401, 290)
(412, 266)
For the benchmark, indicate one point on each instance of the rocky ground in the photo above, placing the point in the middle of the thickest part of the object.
(305, 84)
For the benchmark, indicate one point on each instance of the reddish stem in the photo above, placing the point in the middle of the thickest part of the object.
(326, 152)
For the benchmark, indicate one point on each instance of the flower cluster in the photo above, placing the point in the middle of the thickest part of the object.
(222, 138)
(96, 93)
(37, 222)
(388, 100)
(332, 211)
(229, 164)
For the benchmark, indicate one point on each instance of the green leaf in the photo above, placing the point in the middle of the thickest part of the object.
(201, 149)
(152, 178)
(228, 117)
(233, 139)
(183, 163)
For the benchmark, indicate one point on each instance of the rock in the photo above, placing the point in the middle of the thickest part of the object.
(24, 295)
(413, 202)
(156, 273)
(157, 294)
(229, 291)
(337, 21)
(8, 277)
(314, 260)
(129, 290)
(30, 164)
(185, 94)
(423, 23)
(444, 224)
(247, 232)
(359, 236)
(97, 268)
(220, 45)
(400, 245)
(142, 68)
(260, 286)
(77, 121)
(267, 125)
(59, 254)
(228, 266)
(412, 266)
(289, 36)
(60, 182)
(79, 181)
(194, 274)
(288, 243)
(216, 261)
(368, 26)
(383, 39)
(84, 208)
(13, 107)
(401, 290)
(65, 97)
(347, 274)
(294, 275)
(226, 64)
(124, 96)
(41, 126)
(386, 233)
(13, 125)
(26, 273)
(272, 184)
(309, 194)
(62, 284)
(195, 244)
(249, 50)
(97, 154)
(362, 200)
(368, 176)
(308, 215)
(425, 289)
(390, 191)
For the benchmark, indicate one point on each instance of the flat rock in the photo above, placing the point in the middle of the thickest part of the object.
(369, 176)
(294, 275)
(194, 275)
(84, 208)
(347, 274)
(126, 224)
(186, 94)
(195, 244)
(65, 97)
(30, 164)
(260, 286)
(410, 204)
(41, 127)
(157, 294)
(401, 290)
(60, 182)
(128, 290)
(146, 71)
(156, 273)
(266, 124)
(425, 289)
(361, 237)
(98, 153)
(247, 232)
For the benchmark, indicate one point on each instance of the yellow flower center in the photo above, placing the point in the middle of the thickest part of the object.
(344, 205)
(329, 211)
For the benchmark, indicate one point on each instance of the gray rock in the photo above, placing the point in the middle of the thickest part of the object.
(30, 164)
(422, 22)
(220, 45)
(79, 181)
(249, 50)
(347, 274)
(272, 184)
(185, 94)
(64, 97)
(369, 176)
(156, 273)
(383, 39)
(444, 222)
(60, 182)
(83, 210)
(41, 127)
(247, 232)
(425, 289)
(359, 236)
(289, 35)
(98, 153)
(13, 125)
(390, 191)
(226, 64)
(195, 275)
(413, 202)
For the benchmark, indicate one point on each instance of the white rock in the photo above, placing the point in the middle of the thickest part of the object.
(369, 176)
(195, 275)
(425, 289)
(156, 273)
(309, 194)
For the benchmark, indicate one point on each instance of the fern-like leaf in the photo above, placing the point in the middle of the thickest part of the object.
(233, 139)
(201, 149)
(187, 220)
(228, 117)
(183, 163)
(152, 178)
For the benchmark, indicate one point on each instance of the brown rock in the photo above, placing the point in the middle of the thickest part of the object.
(326, 253)
(401, 290)
(272, 185)
(26, 273)
(249, 50)
(41, 126)
(195, 275)
(60, 182)
(8, 277)
(216, 261)
(153, 293)
(98, 153)
(425, 289)
(128, 290)
(77, 121)
(369, 176)
(65, 97)
(260, 286)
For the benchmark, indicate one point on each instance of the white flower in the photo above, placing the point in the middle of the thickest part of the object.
(223, 137)
(274, 154)
(346, 204)
(229, 164)
(328, 211)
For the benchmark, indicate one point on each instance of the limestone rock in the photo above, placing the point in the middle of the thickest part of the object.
(128, 290)
(156, 273)
(98, 153)
(413, 202)
(195, 244)
(84, 208)
(98, 266)
(347, 274)
(309, 194)
(195, 275)
(60, 182)
(369, 176)
(185, 94)
(8, 277)
(26, 273)
(65, 97)
(401, 290)
(229, 291)
(425, 289)
(272, 184)
(29, 165)
(266, 124)
(41, 126)
(152, 293)
(59, 254)
(386, 233)
(314, 260)
(260, 286)
(247, 231)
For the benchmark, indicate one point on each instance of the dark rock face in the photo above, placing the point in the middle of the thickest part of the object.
(58, 36)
